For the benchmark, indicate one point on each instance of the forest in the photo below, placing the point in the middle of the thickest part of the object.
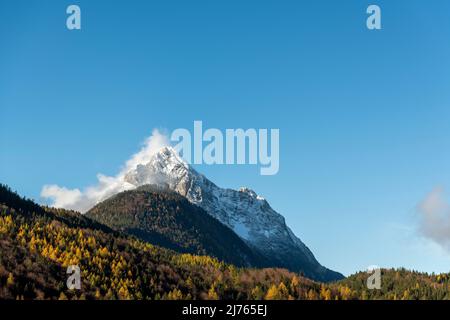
(38, 243)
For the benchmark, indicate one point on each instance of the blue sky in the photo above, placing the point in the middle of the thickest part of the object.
(363, 115)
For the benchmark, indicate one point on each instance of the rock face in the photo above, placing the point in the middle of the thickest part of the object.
(247, 214)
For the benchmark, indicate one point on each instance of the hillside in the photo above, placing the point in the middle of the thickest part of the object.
(163, 217)
(400, 284)
(38, 243)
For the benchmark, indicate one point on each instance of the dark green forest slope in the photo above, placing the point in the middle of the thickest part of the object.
(163, 217)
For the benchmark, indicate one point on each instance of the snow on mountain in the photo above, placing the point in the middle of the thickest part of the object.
(247, 214)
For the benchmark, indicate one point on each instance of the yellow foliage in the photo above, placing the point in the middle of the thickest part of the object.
(283, 291)
(10, 280)
(272, 293)
(295, 282)
(212, 294)
(124, 294)
(345, 292)
(175, 294)
(312, 295)
(62, 296)
(325, 293)
(6, 224)
(103, 252)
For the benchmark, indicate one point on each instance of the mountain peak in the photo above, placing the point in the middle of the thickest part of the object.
(168, 155)
(170, 152)
(164, 167)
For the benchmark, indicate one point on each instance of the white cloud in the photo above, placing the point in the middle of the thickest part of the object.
(434, 213)
(82, 201)
(62, 196)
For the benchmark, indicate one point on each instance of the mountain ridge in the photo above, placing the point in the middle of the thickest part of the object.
(163, 217)
(243, 211)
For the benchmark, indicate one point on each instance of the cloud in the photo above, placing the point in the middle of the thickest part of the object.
(62, 196)
(107, 186)
(434, 213)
